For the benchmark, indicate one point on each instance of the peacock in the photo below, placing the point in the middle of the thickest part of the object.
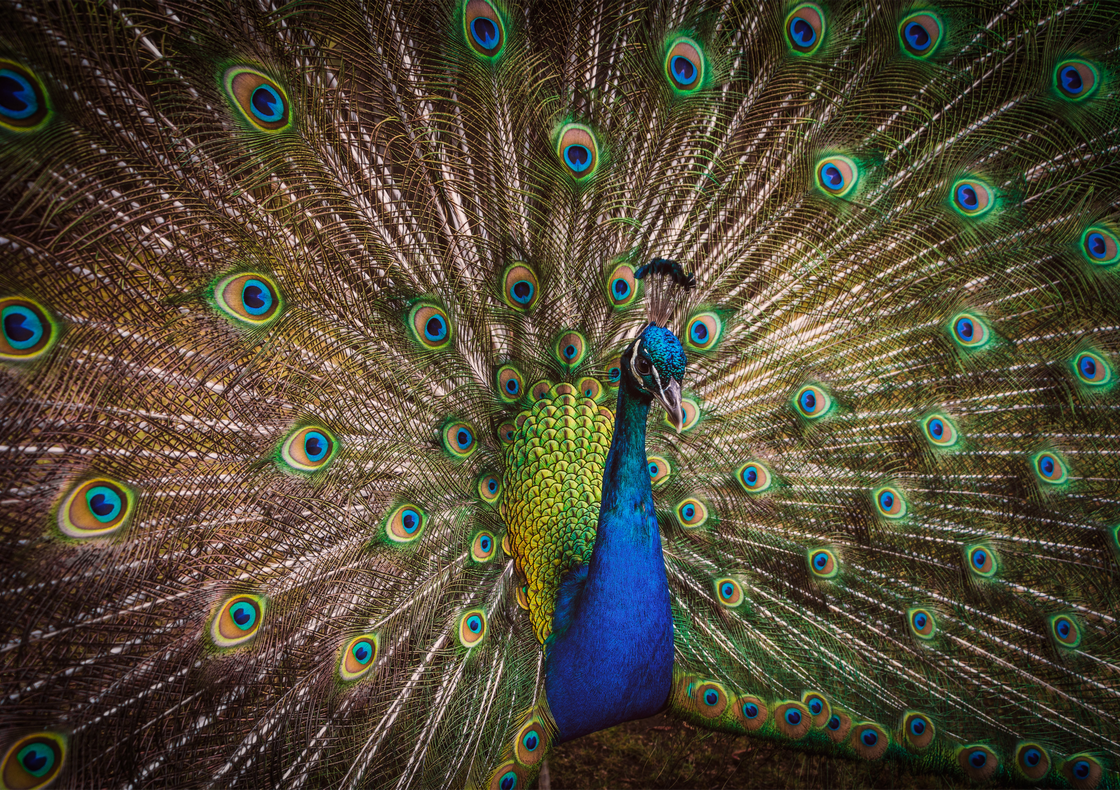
(393, 391)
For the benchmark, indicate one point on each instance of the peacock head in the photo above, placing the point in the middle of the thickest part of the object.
(654, 367)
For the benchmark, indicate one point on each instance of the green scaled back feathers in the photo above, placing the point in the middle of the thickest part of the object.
(312, 321)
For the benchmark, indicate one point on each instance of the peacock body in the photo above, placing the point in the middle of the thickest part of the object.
(332, 336)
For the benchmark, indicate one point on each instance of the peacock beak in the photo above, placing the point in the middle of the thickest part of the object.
(670, 397)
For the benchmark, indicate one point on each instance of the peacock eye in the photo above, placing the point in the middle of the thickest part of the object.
(805, 28)
(482, 547)
(969, 331)
(1092, 369)
(622, 287)
(528, 743)
(308, 449)
(1032, 760)
(920, 34)
(484, 30)
(837, 175)
(260, 100)
(753, 477)
(684, 66)
(237, 621)
(251, 299)
(1100, 246)
(472, 628)
(405, 524)
(358, 657)
(95, 509)
(1050, 468)
(972, 197)
(430, 326)
(730, 592)
(34, 761)
(890, 503)
(578, 151)
(23, 103)
(1075, 79)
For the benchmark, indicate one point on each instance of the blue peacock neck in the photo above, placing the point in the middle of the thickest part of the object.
(611, 657)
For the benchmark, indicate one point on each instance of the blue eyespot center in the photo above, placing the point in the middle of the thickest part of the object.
(965, 329)
(256, 297)
(492, 484)
(435, 329)
(711, 697)
(808, 401)
(474, 623)
(36, 759)
(22, 328)
(802, 32)
(315, 446)
(967, 197)
(621, 288)
(751, 475)
(832, 177)
(484, 32)
(886, 500)
(508, 781)
(869, 737)
(243, 614)
(577, 157)
(917, 36)
(522, 291)
(699, 332)
(1097, 246)
(410, 520)
(653, 470)
(937, 428)
(1032, 757)
(820, 561)
(104, 503)
(834, 722)
(17, 98)
(684, 70)
(569, 351)
(688, 511)
(815, 707)
(793, 716)
(920, 621)
(917, 726)
(1064, 628)
(727, 590)
(531, 741)
(463, 438)
(1071, 80)
(978, 759)
(1088, 367)
(362, 652)
(979, 558)
(267, 104)
(750, 710)
(1081, 769)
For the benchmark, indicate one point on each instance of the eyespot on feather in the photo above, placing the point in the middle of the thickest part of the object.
(1032, 760)
(818, 707)
(977, 761)
(308, 449)
(258, 99)
(509, 776)
(483, 546)
(971, 197)
(622, 287)
(684, 66)
(24, 106)
(836, 176)
(590, 388)
(33, 761)
(753, 477)
(922, 623)
(472, 627)
(981, 561)
(1092, 369)
(709, 699)
(523, 596)
(484, 29)
(570, 349)
(889, 503)
(1100, 246)
(28, 329)
(750, 711)
(520, 287)
(691, 513)
(510, 383)
(940, 431)
(578, 151)
(405, 523)
(614, 372)
(249, 298)
(917, 730)
(659, 470)
(489, 488)
(1075, 80)
(969, 331)
(540, 390)
(869, 741)
(96, 508)
(238, 620)
(919, 34)
(823, 563)
(358, 657)
(793, 720)
(531, 743)
(812, 402)
(430, 326)
(1050, 468)
(838, 726)
(1065, 631)
(459, 439)
(703, 332)
(805, 27)
(1083, 771)
(729, 592)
